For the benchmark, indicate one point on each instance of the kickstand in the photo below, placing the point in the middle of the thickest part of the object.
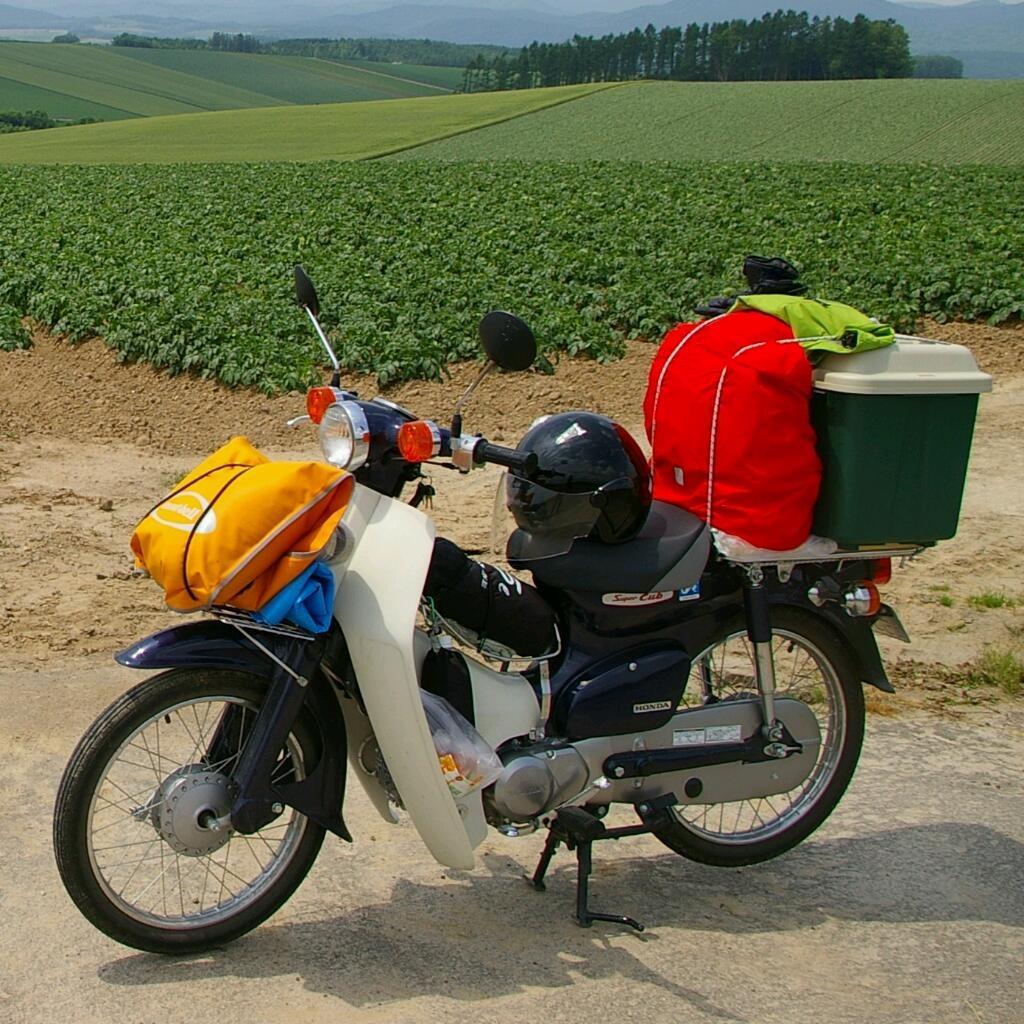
(578, 830)
(550, 846)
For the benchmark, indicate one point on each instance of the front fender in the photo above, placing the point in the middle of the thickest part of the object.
(203, 643)
(211, 644)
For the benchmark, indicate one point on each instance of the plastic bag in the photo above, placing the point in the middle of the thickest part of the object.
(737, 548)
(466, 759)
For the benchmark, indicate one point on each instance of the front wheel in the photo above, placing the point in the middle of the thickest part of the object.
(140, 826)
(811, 665)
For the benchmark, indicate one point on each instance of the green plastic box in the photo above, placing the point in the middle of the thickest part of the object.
(894, 433)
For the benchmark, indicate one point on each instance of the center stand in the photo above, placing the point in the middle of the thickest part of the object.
(579, 829)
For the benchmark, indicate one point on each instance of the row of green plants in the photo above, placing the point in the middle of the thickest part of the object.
(189, 267)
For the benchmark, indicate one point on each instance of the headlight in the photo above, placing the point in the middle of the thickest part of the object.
(345, 435)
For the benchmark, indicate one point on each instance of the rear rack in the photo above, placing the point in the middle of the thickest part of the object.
(784, 566)
(840, 555)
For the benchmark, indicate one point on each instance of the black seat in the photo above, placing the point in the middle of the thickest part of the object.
(669, 553)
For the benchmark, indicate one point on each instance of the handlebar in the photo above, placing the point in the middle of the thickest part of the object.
(510, 458)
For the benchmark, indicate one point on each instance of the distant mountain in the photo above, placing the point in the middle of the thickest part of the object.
(22, 17)
(989, 63)
(973, 26)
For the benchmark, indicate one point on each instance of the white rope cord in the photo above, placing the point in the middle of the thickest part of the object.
(714, 422)
(664, 370)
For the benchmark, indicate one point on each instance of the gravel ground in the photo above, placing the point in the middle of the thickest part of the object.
(907, 906)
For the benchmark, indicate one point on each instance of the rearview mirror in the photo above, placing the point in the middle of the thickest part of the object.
(305, 293)
(507, 340)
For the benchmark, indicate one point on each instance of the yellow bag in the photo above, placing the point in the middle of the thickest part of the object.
(240, 527)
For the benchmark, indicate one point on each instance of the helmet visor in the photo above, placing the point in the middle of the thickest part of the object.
(554, 518)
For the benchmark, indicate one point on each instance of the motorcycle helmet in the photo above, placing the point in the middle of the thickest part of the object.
(591, 480)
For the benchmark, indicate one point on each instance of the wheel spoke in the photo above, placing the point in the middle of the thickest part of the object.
(728, 670)
(146, 877)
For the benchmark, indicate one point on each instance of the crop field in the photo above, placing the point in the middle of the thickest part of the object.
(949, 122)
(337, 131)
(189, 267)
(18, 96)
(885, 121)
(108, 82)
(284, 79)
(444, 78)
(101, 75)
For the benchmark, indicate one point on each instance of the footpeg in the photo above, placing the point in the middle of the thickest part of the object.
(579, 825)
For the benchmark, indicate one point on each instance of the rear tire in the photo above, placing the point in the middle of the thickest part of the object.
(811, 664)
(133, 828)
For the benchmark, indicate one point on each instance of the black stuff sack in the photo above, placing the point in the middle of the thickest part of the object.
(489, 602)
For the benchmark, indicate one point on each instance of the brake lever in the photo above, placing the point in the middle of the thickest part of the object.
(293, 423)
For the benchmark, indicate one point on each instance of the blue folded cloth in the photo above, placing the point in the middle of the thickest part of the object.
(308, 601)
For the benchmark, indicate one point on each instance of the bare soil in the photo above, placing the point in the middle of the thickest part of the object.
(87, 444)
(905, 907)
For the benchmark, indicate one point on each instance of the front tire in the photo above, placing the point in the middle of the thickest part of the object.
(136, 833)
(813, 665)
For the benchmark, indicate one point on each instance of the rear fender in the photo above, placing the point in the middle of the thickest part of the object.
(854, 632)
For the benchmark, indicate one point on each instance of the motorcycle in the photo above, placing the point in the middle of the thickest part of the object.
(720, 699)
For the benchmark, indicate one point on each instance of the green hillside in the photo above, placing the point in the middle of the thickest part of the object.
(105, 82)
(285, 79)
(899, 121)
(340, 131)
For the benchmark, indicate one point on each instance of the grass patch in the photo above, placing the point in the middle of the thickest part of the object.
(991, 599)
(1002, 668)
(946, 601)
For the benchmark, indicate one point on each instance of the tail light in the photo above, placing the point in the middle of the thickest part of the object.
(881, 571)
(319, 400)
(862, 599)
(419, 440)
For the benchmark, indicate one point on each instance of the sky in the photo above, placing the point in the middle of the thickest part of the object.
(190, 7)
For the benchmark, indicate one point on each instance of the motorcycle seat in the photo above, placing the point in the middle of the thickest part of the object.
(669, 553)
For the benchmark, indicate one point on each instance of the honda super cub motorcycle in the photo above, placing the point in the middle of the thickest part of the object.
(722, 700)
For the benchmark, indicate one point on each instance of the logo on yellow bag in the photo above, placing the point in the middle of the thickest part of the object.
(183, 512)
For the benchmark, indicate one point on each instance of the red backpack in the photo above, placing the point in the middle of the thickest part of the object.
(727, 412)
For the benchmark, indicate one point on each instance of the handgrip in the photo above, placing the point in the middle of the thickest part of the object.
(510, 458)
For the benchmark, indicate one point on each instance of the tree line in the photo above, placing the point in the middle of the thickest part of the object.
(31, 120)
(405, 51)
(783, 46)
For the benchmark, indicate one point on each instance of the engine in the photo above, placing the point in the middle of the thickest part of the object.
(536, 779)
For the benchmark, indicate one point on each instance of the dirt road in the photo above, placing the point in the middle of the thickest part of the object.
(906, 906)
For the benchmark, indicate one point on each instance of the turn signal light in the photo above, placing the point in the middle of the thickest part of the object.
(419, 440)
(881, 571)
(862, 599)
(318, 400)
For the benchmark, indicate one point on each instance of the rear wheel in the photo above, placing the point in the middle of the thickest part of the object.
(811, 665)
(138, 835)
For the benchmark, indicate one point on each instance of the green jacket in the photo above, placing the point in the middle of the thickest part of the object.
(821, 325)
